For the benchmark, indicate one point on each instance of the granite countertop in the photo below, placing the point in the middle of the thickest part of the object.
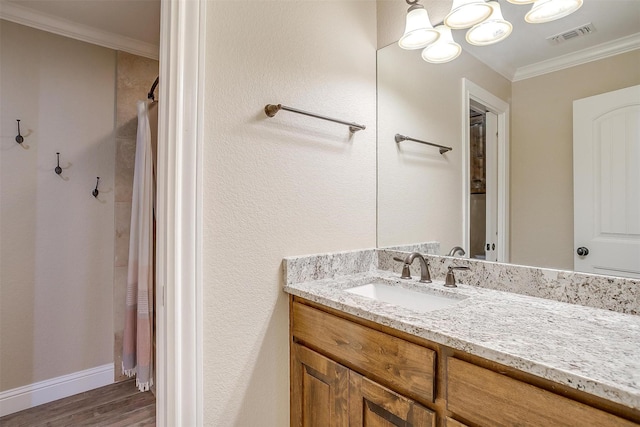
(589, 349)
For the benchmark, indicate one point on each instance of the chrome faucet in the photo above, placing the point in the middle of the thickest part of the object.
(450, 279)
(425, 276)
(455, 250)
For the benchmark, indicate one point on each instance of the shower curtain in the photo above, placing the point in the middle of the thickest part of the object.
(137, 352)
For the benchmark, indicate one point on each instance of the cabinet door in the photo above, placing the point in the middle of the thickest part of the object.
(450, 422)
(487, 398)
(319, 390)
(373, 405)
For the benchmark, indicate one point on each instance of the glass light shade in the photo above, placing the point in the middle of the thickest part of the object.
(521, 1)
(418, 31)
(490, 31)
(443, 50)
(467, 13)
(550, 10)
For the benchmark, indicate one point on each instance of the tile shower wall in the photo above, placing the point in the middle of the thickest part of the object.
(135, 75)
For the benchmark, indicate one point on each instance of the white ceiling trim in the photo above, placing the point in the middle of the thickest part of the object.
(42, 21)
(601, 51)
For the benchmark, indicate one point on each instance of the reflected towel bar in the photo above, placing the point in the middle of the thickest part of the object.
(443, 149)
(271, 110)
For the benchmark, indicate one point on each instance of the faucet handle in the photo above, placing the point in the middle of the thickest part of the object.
(450, 279)
(406, 272)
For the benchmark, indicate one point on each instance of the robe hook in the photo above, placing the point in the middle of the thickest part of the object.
(95, 192)
(19, 138)
(58, 169)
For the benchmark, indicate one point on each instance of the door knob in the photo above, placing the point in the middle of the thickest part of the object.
(582, 251)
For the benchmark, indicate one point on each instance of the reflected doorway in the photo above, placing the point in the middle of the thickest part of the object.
(483, 185)
(485, 174)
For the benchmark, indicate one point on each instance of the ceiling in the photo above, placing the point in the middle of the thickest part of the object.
(130, 24)
(617, 23)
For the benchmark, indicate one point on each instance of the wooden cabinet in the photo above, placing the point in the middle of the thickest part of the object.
(398, 364)
(319, 390)
(347, 371)
(450, 422)
(487, 398)
(373, 405)
(368, 379)
(327, 394)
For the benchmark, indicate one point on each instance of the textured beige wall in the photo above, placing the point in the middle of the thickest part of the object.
(542, 155)
(418, 188)
(56, 239)
(275, 187)
(135, 75)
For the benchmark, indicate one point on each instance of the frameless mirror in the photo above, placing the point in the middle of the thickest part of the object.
(427, 196)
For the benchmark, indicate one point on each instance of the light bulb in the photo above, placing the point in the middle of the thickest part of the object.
(467, 13)
(443, 50)
(490, 31)
(550, 10)
(418, 31)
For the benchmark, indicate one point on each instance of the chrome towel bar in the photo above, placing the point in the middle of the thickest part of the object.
(443, 149)
(271, 110)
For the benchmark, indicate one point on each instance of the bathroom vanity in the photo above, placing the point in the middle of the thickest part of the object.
(491, 358)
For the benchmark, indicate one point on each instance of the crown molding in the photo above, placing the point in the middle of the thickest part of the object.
(53, 24)
(601, 51)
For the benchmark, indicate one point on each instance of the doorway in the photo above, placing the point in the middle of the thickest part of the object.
(485, 120)
(64, 164)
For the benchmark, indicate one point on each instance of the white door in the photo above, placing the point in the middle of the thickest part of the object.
(491, 159)
(606, 183)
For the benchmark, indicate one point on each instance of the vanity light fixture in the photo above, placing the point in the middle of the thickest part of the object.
(467, 13)
(445, 49)
(483, 17)
(491, 31)
(550, 10)
(418, 31)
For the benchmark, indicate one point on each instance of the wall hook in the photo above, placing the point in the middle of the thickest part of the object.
(19, 138)
(58, 169)
(95, 192)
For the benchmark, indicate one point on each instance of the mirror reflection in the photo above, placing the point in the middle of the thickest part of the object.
(427, 196)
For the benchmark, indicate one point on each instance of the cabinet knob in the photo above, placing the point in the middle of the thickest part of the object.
(582, 251)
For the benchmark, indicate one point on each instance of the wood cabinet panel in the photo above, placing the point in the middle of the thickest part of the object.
(487, 398)
(450, 422)
(373, 405)
(319, 390)
(402, 366)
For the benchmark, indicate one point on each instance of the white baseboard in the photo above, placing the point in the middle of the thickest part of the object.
(35, 394)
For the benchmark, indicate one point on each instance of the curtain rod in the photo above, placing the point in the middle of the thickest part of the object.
(151, 95)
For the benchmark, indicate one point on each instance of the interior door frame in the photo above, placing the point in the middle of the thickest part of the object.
(473, 92)
(179, 339)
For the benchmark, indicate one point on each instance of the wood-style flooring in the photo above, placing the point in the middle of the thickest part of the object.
(116, 405)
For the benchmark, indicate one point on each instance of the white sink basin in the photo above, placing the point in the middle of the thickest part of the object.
(396, 295)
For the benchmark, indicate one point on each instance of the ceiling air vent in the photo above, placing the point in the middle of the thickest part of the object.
(573, 33)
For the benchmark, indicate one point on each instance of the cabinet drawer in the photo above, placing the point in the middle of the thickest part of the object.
(486, 398)
(400, 365)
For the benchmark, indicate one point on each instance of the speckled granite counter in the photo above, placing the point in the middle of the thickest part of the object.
(589, 349)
